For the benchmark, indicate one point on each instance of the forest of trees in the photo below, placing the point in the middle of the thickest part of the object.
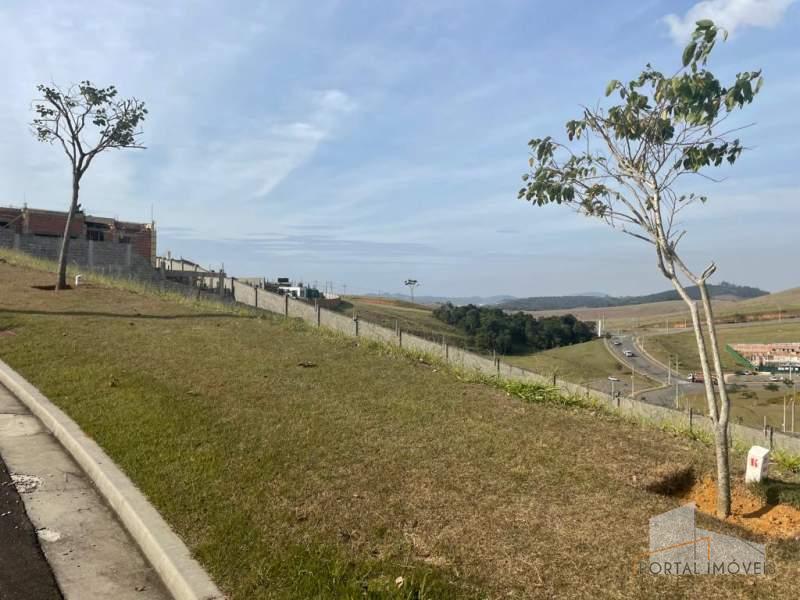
(493, 329)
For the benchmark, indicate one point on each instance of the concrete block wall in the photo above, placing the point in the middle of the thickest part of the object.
(111, 258)
(337, 322)
(376, 332)
(302, 310)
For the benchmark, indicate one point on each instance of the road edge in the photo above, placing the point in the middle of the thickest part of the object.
(181, 574)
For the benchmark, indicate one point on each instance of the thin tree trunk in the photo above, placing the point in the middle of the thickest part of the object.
(721, 432)
(61, 282)
(719, 417)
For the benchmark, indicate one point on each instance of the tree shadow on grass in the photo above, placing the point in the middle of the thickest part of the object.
(86, 313)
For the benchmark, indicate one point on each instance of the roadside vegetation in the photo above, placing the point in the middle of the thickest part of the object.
(296, 463)
(492, 329)
(587, 363)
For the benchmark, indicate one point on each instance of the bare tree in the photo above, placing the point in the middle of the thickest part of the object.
(69, 117)
(623, 166)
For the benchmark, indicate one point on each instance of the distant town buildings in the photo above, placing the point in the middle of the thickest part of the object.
(770, 357)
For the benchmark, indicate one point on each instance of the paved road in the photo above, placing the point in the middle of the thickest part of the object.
(91, 556)
(24, 571)
(664, 396)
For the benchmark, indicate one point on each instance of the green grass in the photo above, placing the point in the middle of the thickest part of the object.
(333, 481)
(580, 363)
(749, 410)
(416, 319)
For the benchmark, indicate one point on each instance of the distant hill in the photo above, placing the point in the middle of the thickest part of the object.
(723, 290)
(454, 300)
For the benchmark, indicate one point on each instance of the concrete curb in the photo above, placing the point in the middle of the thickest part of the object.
(183, 576)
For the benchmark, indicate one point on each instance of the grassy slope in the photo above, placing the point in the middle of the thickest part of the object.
(655, 314)
(751, 411)
(579, 363)
(332, 481)
(412, 318)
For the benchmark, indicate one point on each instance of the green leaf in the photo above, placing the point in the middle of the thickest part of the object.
(612, 85)
(688, 53)
(704, 23)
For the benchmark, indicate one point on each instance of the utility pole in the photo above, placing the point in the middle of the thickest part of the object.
(411, 284)
(669, 370)
(784, 414)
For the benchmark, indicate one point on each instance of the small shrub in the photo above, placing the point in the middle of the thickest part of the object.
(789, 462)
(777, 492)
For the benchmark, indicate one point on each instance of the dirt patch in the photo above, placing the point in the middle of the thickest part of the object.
(779, 521)
(669, 479)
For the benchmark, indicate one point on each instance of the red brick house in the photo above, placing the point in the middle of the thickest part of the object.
(50, 224)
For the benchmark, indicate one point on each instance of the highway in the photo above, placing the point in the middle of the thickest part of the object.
(644, 365)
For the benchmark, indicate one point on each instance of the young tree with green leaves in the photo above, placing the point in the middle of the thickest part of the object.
(70, 117)
(624, 165)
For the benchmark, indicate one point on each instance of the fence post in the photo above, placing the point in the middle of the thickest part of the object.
(355, 320)
(446, 352)
(497, 364)
(770, 437)
(286, 305)
(691, 418)
(400, 337)
(319, 313)
(256, 294)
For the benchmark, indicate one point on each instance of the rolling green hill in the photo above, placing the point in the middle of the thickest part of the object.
(724, 289)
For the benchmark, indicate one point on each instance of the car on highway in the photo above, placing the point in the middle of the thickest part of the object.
(617, 343)
(629, 354)
(775, 378)
(610, 378)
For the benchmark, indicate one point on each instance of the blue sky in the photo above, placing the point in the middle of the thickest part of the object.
(367, 142)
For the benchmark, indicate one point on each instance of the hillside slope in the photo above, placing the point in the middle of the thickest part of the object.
(723, 290)
(297, 464)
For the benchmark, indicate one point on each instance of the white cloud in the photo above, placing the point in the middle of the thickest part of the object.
(729, 14)
(204, 149)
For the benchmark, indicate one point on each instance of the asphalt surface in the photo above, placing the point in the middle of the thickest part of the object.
(643, 365)
(24, 572)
